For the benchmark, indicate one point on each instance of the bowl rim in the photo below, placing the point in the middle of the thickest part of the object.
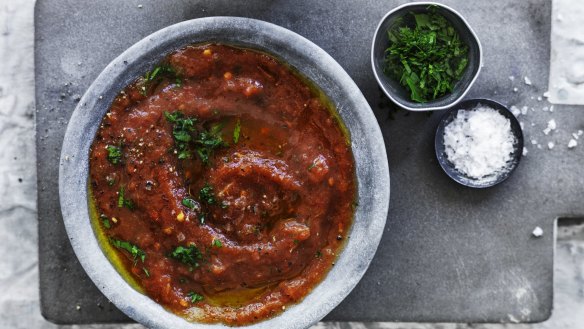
(366, 231)
(515, 128)
(379, 77)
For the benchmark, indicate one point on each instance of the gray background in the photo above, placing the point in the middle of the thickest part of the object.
(18, 276)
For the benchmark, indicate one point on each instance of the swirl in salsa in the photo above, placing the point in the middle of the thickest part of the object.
(223, 183)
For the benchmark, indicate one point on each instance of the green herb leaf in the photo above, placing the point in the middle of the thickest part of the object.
(105, 221)
(114, 154)
(189, 255)
(146, 272)
(190, 203)
(209, 140)
(134, 250)
(206, 194)
(217, 243)
(195, 297)
(236, 131)
(182, 131)
(425, 55)
(123, 201)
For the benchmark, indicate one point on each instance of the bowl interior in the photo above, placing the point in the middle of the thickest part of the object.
(398, 93)
(449, 168)
(367, 145)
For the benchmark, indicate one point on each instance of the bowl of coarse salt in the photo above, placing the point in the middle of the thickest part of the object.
(479, 143)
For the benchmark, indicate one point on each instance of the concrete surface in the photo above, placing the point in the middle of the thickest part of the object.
(19, 305)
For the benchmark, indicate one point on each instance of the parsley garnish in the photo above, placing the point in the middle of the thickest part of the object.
(182, 131)
(161, 71)
(189, 255)
(236, 131)
(195, 297)
(217, 243)
(136, 252)
(114, 154)
(123, 202)
(146, 272)
(190, 203)
(105, 221)
(209, 140)
(426, 56)
(206, 194)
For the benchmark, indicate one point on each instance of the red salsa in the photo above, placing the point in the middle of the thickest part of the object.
(224, 182)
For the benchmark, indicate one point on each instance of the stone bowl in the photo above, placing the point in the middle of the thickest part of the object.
(367, 145)
(449, 167)
(393, 89)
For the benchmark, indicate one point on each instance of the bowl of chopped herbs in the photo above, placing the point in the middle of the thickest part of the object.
(425, 56)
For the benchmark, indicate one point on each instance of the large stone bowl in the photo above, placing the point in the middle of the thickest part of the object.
(311, 61)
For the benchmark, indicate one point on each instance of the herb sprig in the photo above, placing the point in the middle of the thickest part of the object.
(187, 137)
(189, 255)
(133, 249)
(425, 55)
(114, 154)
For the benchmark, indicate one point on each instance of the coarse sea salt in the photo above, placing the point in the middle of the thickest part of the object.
(479, 143)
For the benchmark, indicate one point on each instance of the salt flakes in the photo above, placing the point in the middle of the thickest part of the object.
(524, 110)
(512, 78)
(527, 81)
(479, 142)
(575, 136)
(547, 131)
(516, 112)
(524, 153)
(572, 143)
(537, 232)
(552, 124)
(533, 141)
(515, 90)
(551, 145)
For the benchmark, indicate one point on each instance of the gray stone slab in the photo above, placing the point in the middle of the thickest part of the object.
(448, 253)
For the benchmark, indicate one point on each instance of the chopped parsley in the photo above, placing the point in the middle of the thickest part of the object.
(425, 55)
(146, 272)
(161, 71)
(195, 297)
(189, 255)
(134, 250)
(236, 131)
(190, 203)
(186, 136)
(217, 243)
(207, 195)
(105, 221)
(123, 201)
(114, 154)
(182, 131)
(209, 140)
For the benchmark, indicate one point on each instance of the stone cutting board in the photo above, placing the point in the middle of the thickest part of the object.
(449, 253)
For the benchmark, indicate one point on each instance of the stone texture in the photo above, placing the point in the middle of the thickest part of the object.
(19, 306)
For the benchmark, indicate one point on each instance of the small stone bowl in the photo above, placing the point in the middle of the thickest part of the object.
(392, 88)
(460, 177)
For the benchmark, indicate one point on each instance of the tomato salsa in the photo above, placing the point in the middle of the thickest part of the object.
(223, 183)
